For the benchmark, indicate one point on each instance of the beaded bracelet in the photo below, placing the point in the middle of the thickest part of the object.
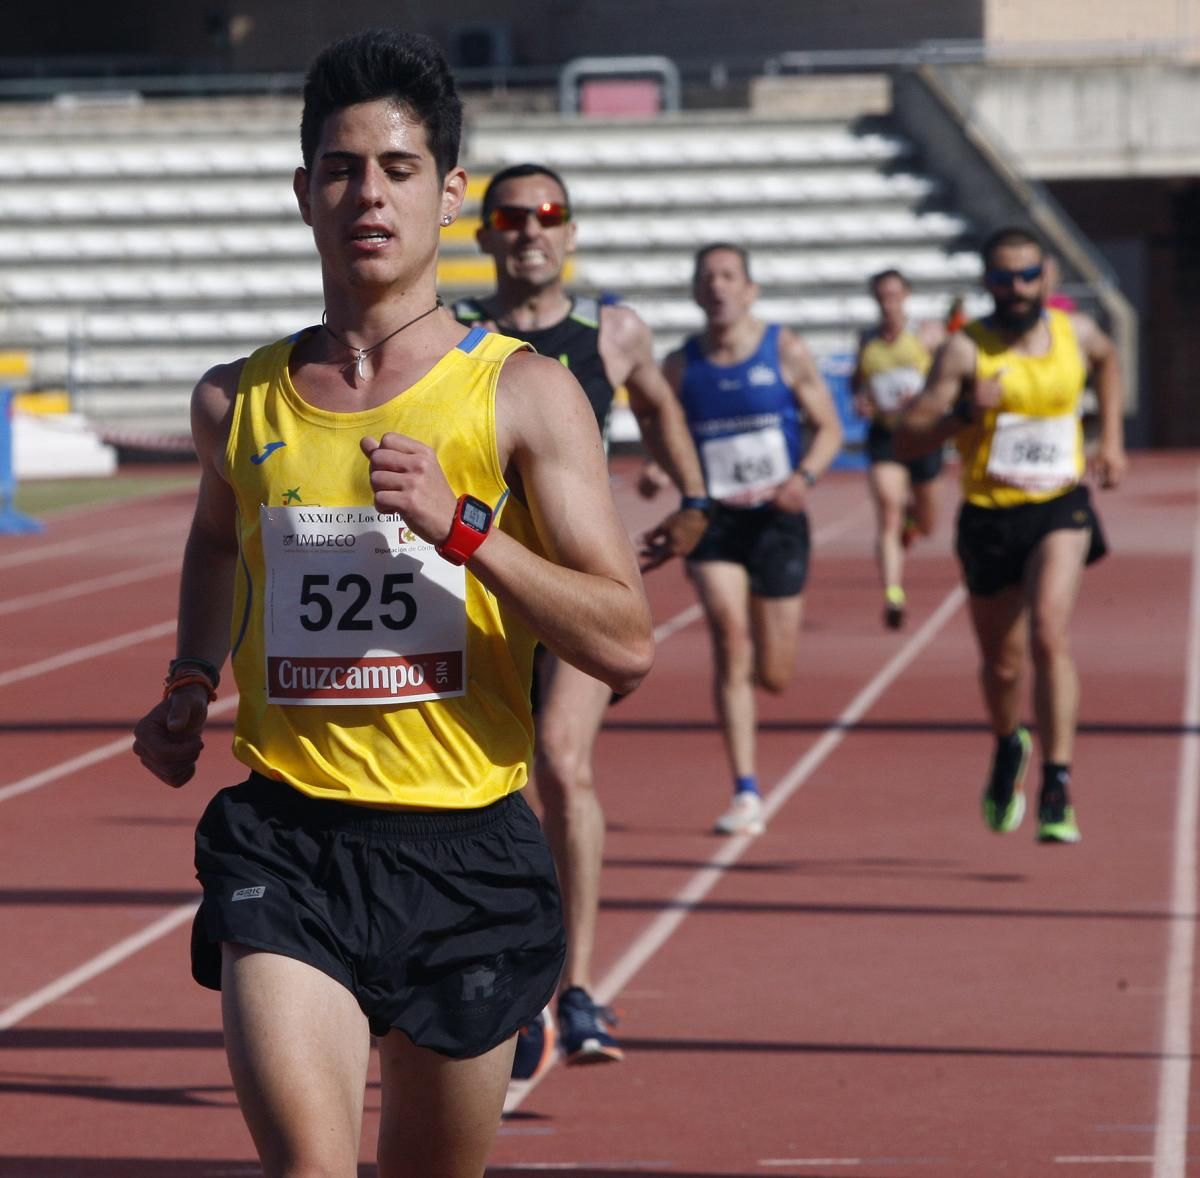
(191, 662)
(170, 686)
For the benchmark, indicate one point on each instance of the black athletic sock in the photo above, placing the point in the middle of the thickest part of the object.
(1056, 782)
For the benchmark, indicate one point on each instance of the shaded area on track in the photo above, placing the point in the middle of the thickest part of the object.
(922, 912)
(109, 1039)
(104, 896)
(820, 727)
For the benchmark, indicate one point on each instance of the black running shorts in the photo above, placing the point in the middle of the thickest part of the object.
(994, 543)
(446, 926)
(920, 470)
(772, 545)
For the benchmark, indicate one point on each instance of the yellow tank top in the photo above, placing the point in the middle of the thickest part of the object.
(894, 370)
(370, 670)
(1030, 448)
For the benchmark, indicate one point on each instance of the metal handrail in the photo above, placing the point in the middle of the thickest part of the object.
(648, 66)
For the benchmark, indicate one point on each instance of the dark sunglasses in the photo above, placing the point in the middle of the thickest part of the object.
(1009, 277)
(509, 217)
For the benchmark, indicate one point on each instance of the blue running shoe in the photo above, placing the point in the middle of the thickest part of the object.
(584, 1028)
(535, 1047)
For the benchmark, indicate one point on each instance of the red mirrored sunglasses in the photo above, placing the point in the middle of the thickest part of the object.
(508, 217)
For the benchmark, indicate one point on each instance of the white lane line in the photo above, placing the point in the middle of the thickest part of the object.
(688, 898)
(680, 621)
(843, 523)
(98, 965)
(813, 1162)
(114, 748)
(91, 543)
(83, 588)
(1109, 1160)
(82, 653)
(1174, 1077)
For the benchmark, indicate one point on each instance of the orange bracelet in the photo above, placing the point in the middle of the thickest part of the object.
(170, 686)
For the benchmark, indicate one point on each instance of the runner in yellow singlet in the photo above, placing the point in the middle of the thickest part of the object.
(893, 358)
(1008, 390)
(393, 511)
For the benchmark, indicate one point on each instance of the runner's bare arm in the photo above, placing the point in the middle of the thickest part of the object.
(658, 411)
(860, 386)
(820, 415)
(1101, 353)
(652, 478)
(586, 602)
(168, 739)
(626, 341)
(927, 421)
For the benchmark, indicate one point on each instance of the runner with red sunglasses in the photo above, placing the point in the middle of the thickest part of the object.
(529, 233)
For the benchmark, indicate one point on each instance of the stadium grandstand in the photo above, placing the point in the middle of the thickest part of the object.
(147, 226)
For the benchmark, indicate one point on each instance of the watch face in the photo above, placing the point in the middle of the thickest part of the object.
(477, 516)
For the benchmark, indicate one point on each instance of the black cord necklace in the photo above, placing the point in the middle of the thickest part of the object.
(360, 354)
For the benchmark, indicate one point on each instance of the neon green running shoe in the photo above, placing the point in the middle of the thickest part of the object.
(1004, 799)
(1059, 827)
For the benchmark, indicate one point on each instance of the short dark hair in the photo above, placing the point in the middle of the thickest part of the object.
(713, 247)
(1009, 235)
(883, 275)
(516, 172)
(408, 69)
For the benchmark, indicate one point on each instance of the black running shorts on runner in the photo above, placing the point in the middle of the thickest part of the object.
(994, 543)
(772, 545)
(446, 926)
(880, 449)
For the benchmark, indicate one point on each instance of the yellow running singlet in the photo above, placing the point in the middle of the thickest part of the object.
(1030, 448)
(371, 670)
(894, 370)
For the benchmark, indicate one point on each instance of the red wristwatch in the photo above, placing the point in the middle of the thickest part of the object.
(472, 522)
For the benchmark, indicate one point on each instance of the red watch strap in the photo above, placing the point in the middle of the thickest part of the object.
(460, 545)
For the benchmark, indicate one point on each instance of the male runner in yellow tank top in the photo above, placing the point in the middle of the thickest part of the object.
(893, 358)
(392, 511)
(1007, 389)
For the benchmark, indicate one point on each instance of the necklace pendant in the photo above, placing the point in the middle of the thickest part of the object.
(359, 360)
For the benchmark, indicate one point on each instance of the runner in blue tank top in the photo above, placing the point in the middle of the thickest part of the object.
(751, 392)
(744, 420)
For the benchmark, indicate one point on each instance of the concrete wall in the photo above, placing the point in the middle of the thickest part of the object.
(991, 191)
(1109, 118)
(282, 35)
(1017, 22)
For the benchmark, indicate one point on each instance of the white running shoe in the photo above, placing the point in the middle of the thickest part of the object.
(744, 816)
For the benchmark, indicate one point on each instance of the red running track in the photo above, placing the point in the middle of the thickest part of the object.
(878, 987)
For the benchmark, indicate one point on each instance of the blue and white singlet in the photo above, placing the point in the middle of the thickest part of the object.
(743, 418)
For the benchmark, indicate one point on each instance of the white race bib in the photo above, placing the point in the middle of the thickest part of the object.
(755, 461)
(1035, 453)
(892, 388)
(358, 610)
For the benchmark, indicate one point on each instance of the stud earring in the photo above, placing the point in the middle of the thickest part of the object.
(446, 219)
